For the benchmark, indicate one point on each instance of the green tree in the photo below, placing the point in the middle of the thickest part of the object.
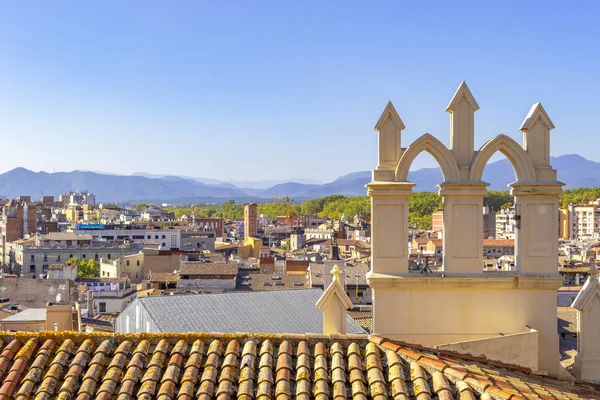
(230, 210)
(424, 203)
(88, 269)
(316, 206)
(578, 196)
(496, 199)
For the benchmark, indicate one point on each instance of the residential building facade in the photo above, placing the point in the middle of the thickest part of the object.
(167, 238)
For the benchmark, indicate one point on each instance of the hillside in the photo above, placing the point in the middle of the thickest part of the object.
(573, 169)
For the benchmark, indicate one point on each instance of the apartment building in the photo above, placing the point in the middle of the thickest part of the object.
(506, 223)
(166, 238)
(35, 255)
(583, 220)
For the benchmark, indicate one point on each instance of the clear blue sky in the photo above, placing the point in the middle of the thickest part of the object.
(281, 89)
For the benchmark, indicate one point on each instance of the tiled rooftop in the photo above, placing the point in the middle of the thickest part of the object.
(202, 268)
(574, 270)
(567, 320)
(162, 277)
(55, 365)
(498, 243)
(272, 281)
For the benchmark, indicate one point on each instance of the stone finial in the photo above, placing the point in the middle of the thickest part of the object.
(334, 302)
(389, 127)
(536, 135)
(336, 271)
(462, 109)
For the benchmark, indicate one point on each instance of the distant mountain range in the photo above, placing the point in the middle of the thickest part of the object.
(573, 169)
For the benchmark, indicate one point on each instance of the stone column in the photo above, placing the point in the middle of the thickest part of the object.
(389, 221)
(463, 227)
(536, 239)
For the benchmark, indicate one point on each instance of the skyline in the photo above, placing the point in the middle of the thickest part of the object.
(122, 88)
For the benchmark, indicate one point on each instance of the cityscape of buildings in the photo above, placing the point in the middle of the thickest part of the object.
(365, 287)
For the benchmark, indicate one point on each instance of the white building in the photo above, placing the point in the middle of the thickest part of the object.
(506, 223)
(322, 232)
(82, 198)
(584, 220)
(167, 238)
(106, 296)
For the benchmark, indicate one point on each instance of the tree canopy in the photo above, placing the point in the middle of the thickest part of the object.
(86, 268)
(421, 206)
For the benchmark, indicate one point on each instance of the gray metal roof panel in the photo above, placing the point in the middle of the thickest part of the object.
(285, 311)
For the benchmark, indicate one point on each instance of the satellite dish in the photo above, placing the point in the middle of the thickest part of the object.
(58, 297)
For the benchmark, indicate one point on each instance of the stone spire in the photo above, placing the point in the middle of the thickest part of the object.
(334, 302)
(390, 127)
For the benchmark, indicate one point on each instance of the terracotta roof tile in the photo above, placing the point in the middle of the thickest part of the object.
(212, 366)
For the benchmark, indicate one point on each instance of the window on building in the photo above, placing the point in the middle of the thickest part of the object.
(96, 257)
(83, 256)
(32, 269)
(45, 258)
(102, 306)
(32, 257)
(155, 236)
(70, 256)
(108, 256)
(149, 237)
(58, 257)
(45, 268)
(138, 264)
(164, 237)
(164, 244)
(128, 263)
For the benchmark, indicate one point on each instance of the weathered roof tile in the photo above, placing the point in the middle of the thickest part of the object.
(245, 367)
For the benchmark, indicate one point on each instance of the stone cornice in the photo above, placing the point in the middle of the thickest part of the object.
(384, 188)
(466, 188)
(484, 281)
(548, 188)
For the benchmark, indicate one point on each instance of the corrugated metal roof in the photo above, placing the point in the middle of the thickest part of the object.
(286, 311)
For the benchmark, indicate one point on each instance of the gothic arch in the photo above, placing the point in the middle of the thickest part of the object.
(518, 157)
(434, 147)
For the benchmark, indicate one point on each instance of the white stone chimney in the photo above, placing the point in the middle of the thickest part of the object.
(334, 302)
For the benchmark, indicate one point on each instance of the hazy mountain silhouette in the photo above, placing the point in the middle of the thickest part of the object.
(573, 169)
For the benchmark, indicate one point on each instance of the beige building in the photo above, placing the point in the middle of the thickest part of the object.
(129, 266)
(437, 221)
(59, 317)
